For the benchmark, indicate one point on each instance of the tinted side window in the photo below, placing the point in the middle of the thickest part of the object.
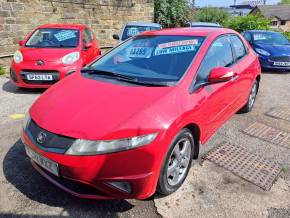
(238, 46)
(218, 55)
(87, 36)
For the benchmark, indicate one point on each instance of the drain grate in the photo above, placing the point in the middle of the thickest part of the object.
(280, 113)
(269, 134)
(249, 166)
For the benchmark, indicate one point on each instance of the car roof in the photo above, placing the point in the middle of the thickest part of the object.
(65, 26)
(201, 24)
(138, 23)
(260, 31)
(188, 31)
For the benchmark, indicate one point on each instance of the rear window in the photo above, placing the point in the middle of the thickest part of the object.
(152, 58)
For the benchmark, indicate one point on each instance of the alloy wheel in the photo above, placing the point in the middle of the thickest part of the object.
(179, 162)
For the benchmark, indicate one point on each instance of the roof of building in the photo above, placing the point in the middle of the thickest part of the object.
(280, 11)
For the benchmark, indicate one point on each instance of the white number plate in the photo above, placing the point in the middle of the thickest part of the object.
(42, 161)
(282, 64)
(39, 77)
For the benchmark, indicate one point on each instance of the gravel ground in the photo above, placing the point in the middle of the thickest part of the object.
(209, 191)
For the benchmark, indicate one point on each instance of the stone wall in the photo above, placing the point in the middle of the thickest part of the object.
(105, 17)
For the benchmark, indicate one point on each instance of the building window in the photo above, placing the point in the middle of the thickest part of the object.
(274, 23)
(283, 22)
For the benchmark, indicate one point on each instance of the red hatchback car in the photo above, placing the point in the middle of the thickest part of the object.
(131, 122)
(51, 52)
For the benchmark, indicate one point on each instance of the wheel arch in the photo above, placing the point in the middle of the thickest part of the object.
(195, 131)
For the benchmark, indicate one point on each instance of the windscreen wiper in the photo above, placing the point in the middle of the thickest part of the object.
(108, 73)
(121, 77)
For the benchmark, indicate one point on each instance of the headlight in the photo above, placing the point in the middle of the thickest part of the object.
(262, 52)
(18, 58)
(26, 121)
(71, 58)
(85, 147)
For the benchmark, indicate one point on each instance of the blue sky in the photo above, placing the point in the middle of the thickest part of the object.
(220, 3)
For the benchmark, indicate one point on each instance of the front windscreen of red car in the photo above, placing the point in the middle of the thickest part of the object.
(149, 59)
(54, 38)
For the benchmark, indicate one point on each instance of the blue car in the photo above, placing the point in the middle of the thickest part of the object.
(273, 49)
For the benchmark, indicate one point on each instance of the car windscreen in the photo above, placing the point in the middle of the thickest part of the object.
(158, 59)
(270, 38)
(54, 38)
(131, 30)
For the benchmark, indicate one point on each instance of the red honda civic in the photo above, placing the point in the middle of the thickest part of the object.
(52, 52)
(132, 121)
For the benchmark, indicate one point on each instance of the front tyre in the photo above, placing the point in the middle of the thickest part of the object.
(252, 98)
(177, 163)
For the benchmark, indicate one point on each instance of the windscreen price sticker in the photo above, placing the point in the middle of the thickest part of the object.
(174, 50)
(178, 43)
(140, 52)
(65, 35)
(133, 31)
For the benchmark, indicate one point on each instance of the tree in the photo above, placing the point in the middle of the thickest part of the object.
(250, 22)
(285, 2)
(171, 13)
(214, 15)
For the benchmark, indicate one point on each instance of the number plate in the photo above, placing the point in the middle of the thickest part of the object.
(39, 77)
(282, 64)
(42, 161)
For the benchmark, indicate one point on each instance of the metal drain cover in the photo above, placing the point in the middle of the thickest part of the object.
(280, 113)
(269, 134)
(249, 166)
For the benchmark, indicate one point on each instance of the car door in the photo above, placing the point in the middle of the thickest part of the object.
(243, 68)
(216, 102)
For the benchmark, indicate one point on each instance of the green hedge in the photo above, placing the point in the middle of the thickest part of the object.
(2, 70)
(287, 34)
(250, 22)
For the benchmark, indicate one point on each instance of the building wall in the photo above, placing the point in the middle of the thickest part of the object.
(105, 17)
(286, 27)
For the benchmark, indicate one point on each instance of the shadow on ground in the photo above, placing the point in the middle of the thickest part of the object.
(9, 87)
(19, 172)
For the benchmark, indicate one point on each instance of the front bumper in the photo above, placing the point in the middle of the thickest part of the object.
(57, 70)
(139, 167)
(268, 64)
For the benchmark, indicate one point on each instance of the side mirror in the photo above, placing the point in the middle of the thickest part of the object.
(221, 74)
(88, 45)
(116, 36)
(21, 42)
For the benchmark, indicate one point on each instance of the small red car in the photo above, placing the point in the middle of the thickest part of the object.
(51, 52)
(132, 121)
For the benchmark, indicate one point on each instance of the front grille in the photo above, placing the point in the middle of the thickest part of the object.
(280, 58)
(54, 73)
(52, 143)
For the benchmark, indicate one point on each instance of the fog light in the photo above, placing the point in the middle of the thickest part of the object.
(123, 186)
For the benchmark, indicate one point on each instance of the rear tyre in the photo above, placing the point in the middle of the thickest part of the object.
(177, 163)
(252, 98)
